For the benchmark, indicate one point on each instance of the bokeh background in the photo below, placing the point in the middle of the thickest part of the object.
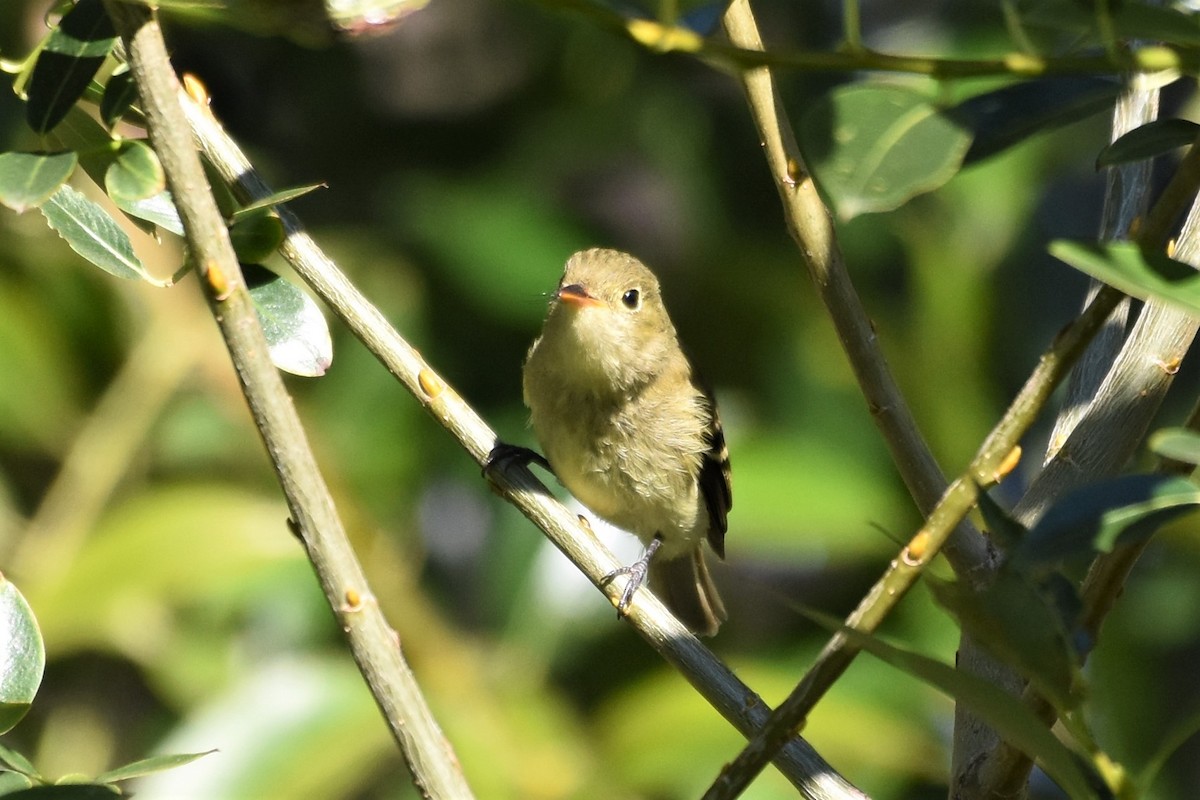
(466, 154)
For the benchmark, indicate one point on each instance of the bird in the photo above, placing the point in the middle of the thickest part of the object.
(631, 431)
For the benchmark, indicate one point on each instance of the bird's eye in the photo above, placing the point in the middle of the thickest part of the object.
(632, 299)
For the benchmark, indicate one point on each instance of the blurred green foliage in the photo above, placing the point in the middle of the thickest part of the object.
(467, 153)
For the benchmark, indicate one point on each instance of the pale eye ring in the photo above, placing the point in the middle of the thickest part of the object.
(632, 299)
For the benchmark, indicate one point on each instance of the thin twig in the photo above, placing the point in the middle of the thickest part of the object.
(712, 679)
(373, 643)
(1019, 65)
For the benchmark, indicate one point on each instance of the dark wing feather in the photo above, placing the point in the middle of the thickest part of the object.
(715, 480)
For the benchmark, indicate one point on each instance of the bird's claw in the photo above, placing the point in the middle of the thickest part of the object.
(637, 572)
(504, 454)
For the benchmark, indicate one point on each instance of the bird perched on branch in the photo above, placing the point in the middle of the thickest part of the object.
(629, 430)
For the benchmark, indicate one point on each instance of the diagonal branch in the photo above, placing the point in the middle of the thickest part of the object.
(984, 469)
(744, 709)
(372, 642)
(1104, 440)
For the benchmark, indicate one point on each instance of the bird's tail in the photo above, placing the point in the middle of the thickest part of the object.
(686, 588)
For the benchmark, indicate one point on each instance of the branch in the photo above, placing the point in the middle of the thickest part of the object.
(1103, 441)
(975, 743)
(372, 642)
(985, 469)
(987, 466)
(811, 225)
(664, 38)
(735, 701)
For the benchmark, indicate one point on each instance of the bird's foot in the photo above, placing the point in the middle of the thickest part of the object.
(637, 572)
(504, 455)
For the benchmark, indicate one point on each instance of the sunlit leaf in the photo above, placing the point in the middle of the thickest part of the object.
(158, 209)
(256, 237)
(1178, 444)
(92, 233)
(874, 147)
(1014, 721)
(1134, 271)
(276, 198)
(73, 53)
(1149, 140)
(148, 766)
(1100, 516)
(22, 656)
(135, 174)
(13, 781)
(120, 92)
(295, 328)
(29, 179)
(369, 16)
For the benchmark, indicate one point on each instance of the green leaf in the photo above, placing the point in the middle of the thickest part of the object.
(73, 53)
(1134, 271)
(148, 766)
(159, 210)
(1013, 720)
(1020, 626)
(1178, 444)
(873, 147)
(295, 328)
(1148, 141)
(1179, 735)
(276, 198)
(22, 656)
(135, 174)
(1008, 116)
(119, 94)
(92, 233)
(18, 762)
(79, 131)
(256, 237)
(1105, 514)
(28, 179)
(13, 781)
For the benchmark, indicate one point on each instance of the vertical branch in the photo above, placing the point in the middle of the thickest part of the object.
(809, 223)
(1126, 198)
(373, 643)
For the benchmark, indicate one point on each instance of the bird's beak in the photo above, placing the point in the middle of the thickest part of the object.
(575, 295)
